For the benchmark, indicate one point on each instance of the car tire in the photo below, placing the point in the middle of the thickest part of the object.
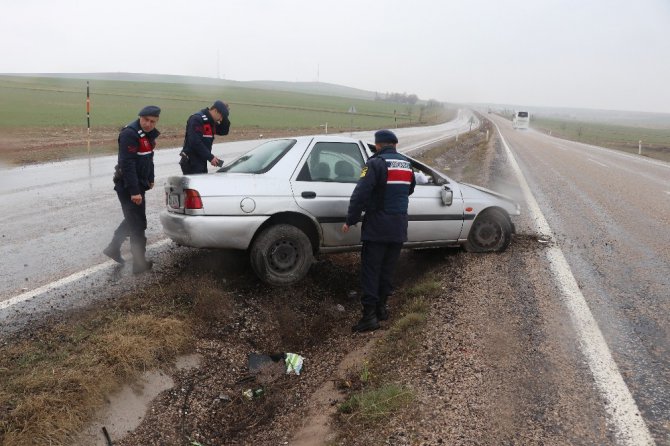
(281, 255)
(491, 231)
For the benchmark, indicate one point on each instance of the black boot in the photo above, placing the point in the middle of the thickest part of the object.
(369, 320)
(140, 263)
(382, 309)
(113, 251)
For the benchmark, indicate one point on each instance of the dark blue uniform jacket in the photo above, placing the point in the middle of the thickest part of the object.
(383, 192)
(136, 158)
(200, 131)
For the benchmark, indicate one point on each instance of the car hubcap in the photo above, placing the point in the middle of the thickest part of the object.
(488, 234)
(283, 255)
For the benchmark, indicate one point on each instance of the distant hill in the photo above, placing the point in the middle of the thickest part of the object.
(318, 88)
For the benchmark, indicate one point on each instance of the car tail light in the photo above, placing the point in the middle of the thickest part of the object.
(192, 199)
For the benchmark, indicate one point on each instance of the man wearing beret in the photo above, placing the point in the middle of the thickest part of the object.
(382, 191)
(134, 175)
(200, 130)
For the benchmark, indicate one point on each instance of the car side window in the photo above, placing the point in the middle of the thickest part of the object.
(333, 162)
(425, 176)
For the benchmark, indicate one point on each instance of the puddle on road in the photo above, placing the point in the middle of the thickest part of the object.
(125, 409)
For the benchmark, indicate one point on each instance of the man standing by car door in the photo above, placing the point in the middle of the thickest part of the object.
(200, 130)
(133, 176)
(382, 191)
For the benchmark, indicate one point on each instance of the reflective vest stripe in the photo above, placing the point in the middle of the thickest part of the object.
(145, 147)
(399, 176)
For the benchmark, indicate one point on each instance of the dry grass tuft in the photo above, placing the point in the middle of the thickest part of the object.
(375, 404)
(52, 383)
(212, 305)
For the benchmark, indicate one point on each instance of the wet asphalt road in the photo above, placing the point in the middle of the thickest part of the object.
(610, 213)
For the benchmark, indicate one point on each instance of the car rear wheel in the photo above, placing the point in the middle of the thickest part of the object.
(491, 231)
(281, 255)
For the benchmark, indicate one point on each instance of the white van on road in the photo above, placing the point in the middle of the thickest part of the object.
(521, 120)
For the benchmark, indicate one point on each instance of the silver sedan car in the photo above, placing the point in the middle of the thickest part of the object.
(286, 200)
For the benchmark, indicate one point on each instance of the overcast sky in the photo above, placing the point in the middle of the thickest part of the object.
(603, 54)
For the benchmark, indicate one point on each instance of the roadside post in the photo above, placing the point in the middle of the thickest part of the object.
(352, 111)
(88, 118)
(88, 109)
(88, 131)
(639, 147)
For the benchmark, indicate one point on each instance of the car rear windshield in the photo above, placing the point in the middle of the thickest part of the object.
(262, 158)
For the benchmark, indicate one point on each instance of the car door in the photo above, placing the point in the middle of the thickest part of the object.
(430, 219)
(323, 185)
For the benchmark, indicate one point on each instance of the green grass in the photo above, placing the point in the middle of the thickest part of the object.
(377, 404)
(44, 118)
(605, 135)
(426, 288)
(61, 102)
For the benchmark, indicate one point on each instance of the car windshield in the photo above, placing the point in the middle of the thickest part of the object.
(261, 159)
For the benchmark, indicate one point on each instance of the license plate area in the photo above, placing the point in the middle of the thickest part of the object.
(174, 201)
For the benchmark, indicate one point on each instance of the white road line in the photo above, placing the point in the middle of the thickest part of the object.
(67, 280)
(597, 162)
(621, 408)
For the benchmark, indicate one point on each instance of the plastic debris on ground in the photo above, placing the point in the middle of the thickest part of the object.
(262, 364)
(293, 363)
(253, 393)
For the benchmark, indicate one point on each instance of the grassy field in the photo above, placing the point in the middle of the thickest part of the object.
(55, 102)
(44, 118)
(655, 142)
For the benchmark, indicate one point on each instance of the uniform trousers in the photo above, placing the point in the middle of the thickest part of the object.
(134, 221)
(378, 260)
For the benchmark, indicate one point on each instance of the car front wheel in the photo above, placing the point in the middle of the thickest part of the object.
(491, 231)
(281, 255)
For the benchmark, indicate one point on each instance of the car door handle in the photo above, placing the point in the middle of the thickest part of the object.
(308, 194)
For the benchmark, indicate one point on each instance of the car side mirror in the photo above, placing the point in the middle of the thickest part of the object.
(447, 195)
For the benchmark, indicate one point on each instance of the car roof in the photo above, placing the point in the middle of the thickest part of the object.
(333, 138)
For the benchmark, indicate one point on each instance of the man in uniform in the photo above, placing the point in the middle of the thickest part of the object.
(383, 192)
(134, 175)
(200, 130)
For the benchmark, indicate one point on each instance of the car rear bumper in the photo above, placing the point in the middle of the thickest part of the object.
(204, 231)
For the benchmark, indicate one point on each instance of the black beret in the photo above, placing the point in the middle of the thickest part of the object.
(385, 136)
(150, 110)
(221, 108)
